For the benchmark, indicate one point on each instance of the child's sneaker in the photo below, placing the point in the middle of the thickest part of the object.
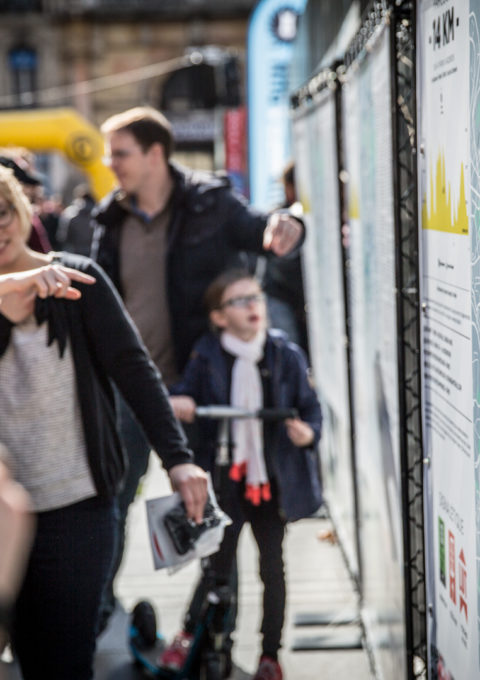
(268, 669)
(175, 655)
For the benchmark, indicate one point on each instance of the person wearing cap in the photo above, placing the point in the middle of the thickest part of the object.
(25, 175)
(30, 181)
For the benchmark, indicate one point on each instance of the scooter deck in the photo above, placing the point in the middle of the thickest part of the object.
(147, 658)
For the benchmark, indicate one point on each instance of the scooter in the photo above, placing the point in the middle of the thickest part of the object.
(209, 656)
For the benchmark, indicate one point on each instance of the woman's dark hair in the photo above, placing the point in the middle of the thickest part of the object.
(214, 293)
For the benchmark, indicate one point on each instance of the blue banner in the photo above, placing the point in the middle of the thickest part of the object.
(271, 36)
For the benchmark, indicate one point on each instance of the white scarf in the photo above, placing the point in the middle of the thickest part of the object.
(246, 392)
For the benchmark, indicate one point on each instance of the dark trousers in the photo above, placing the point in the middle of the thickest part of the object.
(138, 451)
(55, 618)
(268, 529)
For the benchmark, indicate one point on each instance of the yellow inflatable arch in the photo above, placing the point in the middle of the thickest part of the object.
(61, 130)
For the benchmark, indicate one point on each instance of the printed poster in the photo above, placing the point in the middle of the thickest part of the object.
(367, 133)
(448, 71)
(315, 143)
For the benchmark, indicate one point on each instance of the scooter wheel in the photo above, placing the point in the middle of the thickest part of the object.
(211, 668)
(227, 665)
(145, 621)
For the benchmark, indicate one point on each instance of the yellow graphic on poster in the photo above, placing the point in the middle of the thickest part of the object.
(353, 204)
(305, 201)
(442, 212)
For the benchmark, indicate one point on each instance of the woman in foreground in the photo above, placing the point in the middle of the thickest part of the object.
(60, 351)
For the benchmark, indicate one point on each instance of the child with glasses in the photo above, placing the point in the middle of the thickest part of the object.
(274, 468)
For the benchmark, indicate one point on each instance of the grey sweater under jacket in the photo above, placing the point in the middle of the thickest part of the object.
(107, 350)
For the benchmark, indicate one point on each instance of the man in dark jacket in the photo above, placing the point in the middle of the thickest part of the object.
(163, 236)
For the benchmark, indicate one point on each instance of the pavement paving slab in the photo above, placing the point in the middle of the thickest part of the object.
(318, 587)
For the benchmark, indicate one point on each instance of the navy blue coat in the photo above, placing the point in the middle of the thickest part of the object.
(206, 379)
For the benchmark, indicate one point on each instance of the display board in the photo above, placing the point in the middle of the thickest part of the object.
(315, 144)
(448, 67)
(372, 293)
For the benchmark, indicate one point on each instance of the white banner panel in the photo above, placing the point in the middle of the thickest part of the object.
(372, 295)
(449, 284)
(302, 123)
(315, 143)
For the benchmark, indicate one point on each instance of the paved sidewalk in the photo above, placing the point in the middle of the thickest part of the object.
(317, 582)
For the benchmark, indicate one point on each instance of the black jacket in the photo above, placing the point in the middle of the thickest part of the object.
(210, 230)
(106, 346)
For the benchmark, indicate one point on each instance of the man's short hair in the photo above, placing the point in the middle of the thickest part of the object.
(288, 174)
(146, 124)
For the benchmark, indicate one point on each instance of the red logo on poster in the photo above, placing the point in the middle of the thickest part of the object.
(451, 567)
(442, 672)
(462, 583)
(235, 131)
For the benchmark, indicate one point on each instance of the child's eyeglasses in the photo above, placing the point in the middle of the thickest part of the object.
(7, 213)
(243, 301)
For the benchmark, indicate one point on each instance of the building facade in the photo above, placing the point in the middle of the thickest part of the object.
(100, 57)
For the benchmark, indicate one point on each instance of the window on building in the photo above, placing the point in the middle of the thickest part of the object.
(203, 86)
(190, 88)
(20, 5)
(23, 71)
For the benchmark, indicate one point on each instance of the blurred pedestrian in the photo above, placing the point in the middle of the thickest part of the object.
(16, 532)
(31, 183)
(75, 227)
(283, 279)
(49, 211)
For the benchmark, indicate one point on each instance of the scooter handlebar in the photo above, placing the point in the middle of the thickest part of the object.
(220, 412)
